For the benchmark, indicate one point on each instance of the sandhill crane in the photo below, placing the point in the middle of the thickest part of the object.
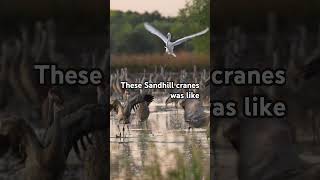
(124, 112)
(268, 151)
(303, 85)
(194, 113)
(142, 111)
(47, 160)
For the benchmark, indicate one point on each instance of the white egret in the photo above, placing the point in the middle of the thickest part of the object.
(169, 46)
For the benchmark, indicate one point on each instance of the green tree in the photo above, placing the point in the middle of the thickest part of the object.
(195, 17)
(129, 36)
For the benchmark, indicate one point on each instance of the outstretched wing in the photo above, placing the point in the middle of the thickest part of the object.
(155, 32)
(311, 68)
(15, 137)
(182, 40)
(232, 134)
(207, 83)
(116, 105)
(77, 126)
(136, 99)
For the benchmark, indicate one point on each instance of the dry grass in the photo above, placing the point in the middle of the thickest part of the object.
(141, 61)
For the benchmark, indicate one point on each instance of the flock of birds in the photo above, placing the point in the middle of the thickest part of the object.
(124, 101)
(140, 100)
(41, 125)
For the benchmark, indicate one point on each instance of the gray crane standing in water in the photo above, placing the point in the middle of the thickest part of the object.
(124, 112)
(142, 112)
(194, 113)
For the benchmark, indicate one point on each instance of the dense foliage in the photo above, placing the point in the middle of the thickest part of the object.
(128, 35)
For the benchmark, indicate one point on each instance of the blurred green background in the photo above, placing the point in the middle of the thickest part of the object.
(128, 35)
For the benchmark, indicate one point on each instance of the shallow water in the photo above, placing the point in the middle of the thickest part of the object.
(164, 132)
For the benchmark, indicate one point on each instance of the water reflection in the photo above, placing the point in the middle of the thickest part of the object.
(165, 132)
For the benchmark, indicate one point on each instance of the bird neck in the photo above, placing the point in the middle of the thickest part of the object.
(101, 96)
(168, 43)
(54, 149)
(169, 37)
(50, 111)
(32, 144)
(120, 111)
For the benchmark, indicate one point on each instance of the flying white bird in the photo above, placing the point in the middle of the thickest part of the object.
(169, 46)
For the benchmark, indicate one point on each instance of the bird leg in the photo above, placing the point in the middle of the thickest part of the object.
(128, 129)
(119, 131)
(123, 130)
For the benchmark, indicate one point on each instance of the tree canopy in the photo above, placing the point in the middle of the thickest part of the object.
(128, 35)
